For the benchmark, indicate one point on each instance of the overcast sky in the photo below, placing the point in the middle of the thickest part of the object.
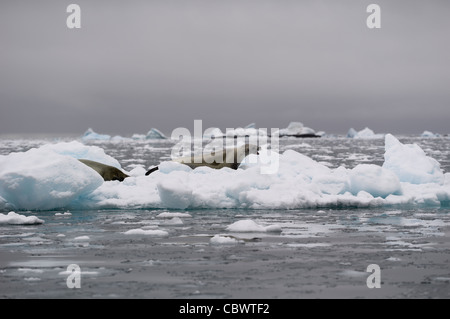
(135, 65)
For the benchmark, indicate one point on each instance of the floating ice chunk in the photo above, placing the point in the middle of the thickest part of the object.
(155, 134)
(64, 214)
(296, 129)
(223, 240)
(429, 134)
(82, 238)
(147, 232)
(410, 163)
(13, 218)
(90, 135)
(42, 179)
(248, 225)
(352, 133)
(364, 133)
(377, 181)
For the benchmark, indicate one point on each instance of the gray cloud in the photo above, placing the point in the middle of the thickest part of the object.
(141, 64)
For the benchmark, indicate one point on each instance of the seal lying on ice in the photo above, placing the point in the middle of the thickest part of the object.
(231, 157)
(109, 173)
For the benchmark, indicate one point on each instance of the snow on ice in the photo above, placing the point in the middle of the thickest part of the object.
(50, 177)
(13, 218)
(250, 226)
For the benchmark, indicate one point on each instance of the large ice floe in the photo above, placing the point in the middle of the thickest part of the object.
(51, 177)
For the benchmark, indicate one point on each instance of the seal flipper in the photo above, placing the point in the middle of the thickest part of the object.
(151, 170)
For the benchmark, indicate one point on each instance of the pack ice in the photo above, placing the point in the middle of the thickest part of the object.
(50, 177)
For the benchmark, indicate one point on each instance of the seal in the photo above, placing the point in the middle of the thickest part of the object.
(230, 157)
(109, 173)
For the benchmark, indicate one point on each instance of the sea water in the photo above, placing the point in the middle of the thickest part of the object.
(156, 252)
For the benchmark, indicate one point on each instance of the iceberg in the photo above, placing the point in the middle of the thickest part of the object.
(152, 134)
(297, 129)
(365, 133)
(90, 135)
(429, 134)
(155, 134)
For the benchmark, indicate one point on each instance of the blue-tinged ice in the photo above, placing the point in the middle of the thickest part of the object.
(430, 134)
(410, 163)
(155, 134)
(90, 135)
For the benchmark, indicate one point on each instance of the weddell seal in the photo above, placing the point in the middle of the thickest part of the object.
(229, 157)
(109, 173)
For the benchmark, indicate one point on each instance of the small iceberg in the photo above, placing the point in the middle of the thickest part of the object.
(155, 134)
(430, 134)
(12, 218)
(297, 129)
(223, 240)
(249, 226)
(365, 133)
(90, 135)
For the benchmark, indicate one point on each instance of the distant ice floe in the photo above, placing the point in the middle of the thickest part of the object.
(430, 134)
(297, 129)
(90, 135)
(294, 129)
(13, 218)
(152, 134)
(223, 240)
(147, 232)
(50, 177)
(248, 225)
(365, 133)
